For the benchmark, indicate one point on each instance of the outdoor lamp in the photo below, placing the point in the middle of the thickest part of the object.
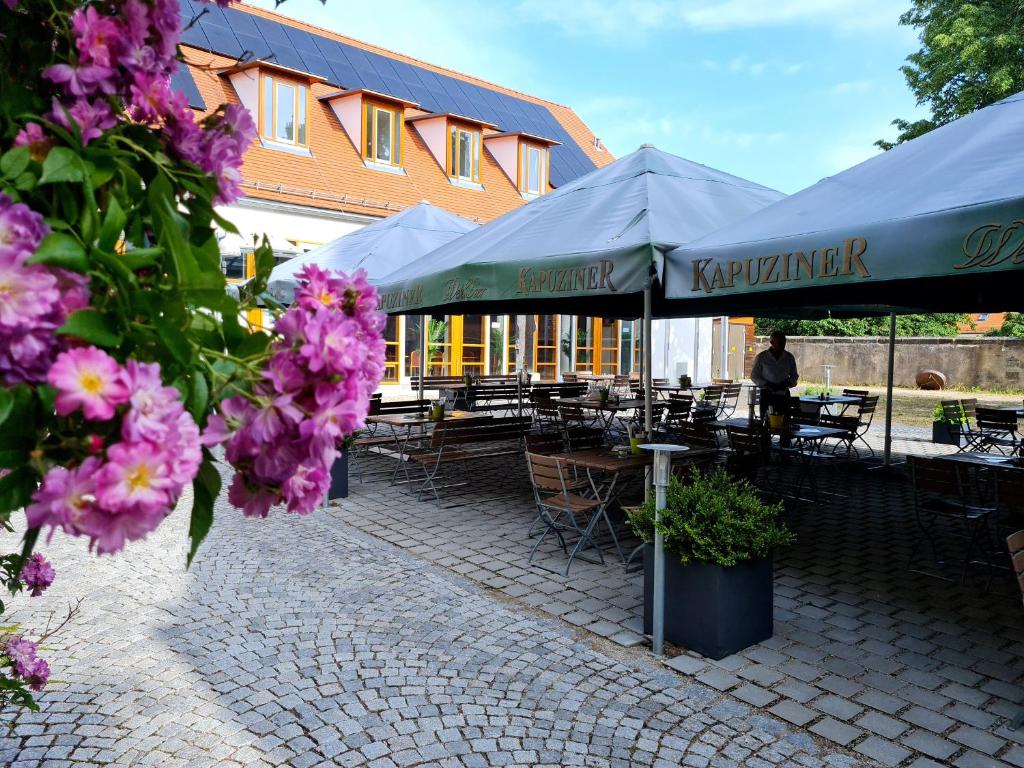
(662, 473)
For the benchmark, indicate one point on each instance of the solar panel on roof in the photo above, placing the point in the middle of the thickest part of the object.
(183, 81)
(349, 66)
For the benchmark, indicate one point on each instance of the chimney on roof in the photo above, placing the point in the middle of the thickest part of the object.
(647, 146)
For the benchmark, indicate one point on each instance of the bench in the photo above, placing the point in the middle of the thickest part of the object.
(495, 397)
(444, 382)
(461, 443)
(556, 390)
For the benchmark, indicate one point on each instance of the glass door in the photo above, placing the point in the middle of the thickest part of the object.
(586, 329)
(545, 347)
(609, 336)
(473, 332)
(413, 344)
(440, 332)
(512, 347)
(391, 355)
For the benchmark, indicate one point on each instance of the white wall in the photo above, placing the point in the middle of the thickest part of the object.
(283, 222)
(682, 345)
(247, 85)
(505, 150)
(434, 135)
(349, 111)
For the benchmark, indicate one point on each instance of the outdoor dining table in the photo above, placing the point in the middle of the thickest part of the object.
(665, 390)
(419, 421)
(821, 403)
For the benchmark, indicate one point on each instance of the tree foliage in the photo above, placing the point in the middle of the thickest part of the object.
(1013, 326)
(971, 55)
(942, 324)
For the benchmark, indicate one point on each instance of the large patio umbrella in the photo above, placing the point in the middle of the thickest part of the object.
(935, 224)
(380, 248)
(603, 237)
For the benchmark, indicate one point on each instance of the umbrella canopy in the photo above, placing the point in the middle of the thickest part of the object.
(936, 224)
(379, 248)
(602, 236)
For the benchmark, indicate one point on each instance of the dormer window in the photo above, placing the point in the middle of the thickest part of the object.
(464, 153)
(533, 169)
(279, 96)
(382, 133)
(284, 106)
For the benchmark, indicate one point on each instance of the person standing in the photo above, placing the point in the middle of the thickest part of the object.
(774, 373)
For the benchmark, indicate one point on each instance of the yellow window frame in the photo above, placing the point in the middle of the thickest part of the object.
(371, 110)
(524, 169)
(597, 348)
(301, 100)
(451, 150)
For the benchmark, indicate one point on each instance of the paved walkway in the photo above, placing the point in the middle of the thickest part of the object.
(301, 642)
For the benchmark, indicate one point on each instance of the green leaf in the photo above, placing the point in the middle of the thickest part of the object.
(113, 225)
(61, 250)
(138, 258)
(205, 487)
(92, 326)
(62, 164)
(25, 181)
(14, 162)
(253, 344)
(6, 404)
(16, 490)
(199, 397)
(175, 342)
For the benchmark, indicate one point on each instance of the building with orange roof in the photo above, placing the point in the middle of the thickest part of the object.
(351, 132)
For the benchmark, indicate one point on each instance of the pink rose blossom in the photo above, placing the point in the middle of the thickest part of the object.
(65, 498)
(89, 378)
(136, 477)
(97, 36)
(37, 675)
(37, 573)
(21, 652)
(83, 80)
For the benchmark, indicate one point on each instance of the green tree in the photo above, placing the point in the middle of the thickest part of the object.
(941, 324)
(971, 55)
(1013, 325)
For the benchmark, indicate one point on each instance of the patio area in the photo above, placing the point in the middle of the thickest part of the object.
(895, 665)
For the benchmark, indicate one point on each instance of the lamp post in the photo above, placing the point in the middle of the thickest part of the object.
(662, 472)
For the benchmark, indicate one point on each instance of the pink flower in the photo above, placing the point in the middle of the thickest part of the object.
(38, 143)
(21, 230)
(21, 652)
(90, 378)
(136, 477)
(81, 81)
(26, 292)
(149, 96)
(37, 675)
(37, 573)
(154, 407)
(254, 502)
(65, 498)
(91, 118)
(307, 487)
(96, 35)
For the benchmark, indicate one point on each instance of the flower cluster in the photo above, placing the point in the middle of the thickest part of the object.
(35, 299)
(37, 574)
(20, 655)
(283, 437)
(127, 57)
(135, 475)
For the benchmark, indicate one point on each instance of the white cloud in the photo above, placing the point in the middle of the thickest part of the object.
(852, 87)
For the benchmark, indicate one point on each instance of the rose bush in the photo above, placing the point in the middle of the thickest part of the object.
(123, 361)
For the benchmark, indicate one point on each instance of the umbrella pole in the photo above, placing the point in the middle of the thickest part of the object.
(888, 388)
(648, 382)
(423, 353)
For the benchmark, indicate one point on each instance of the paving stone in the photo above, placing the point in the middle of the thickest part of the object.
(837, 707)
(979, 740)
(754, 695)
(884, 726)
(882, 751)
(930, 744)
(792, 712)
(833, 730)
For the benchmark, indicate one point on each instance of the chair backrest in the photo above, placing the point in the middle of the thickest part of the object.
(713, 393)
(582, 438)
(403, 406)
(571, 414)
(375, 401)
(995, 420)
(547, 414)
(547, 474)
(866, 409)
(696, 435)
(1015, 543)
(545, 443)
(621, 380)
(659, 382)
(935, 477)
(678, 409)
(745, 440)
(970, 407)
(855, 392)
(721, 381)
(570, 378)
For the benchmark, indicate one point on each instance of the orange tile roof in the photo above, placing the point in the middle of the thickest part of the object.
(993, 322)
(335, 178)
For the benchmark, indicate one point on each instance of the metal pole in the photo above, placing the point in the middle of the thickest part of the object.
(648, 378)
(888, 387)
(423, 352)
(658, 614)
(723, 341)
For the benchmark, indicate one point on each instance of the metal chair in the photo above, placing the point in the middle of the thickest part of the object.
(730, 399)
(939, 495)
(570, 377)
(558, 507)
(747, 451)
(996, 429)
(857, 426)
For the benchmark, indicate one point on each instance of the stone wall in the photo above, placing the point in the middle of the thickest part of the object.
(983, 362)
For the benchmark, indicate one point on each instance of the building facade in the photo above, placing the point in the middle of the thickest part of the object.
(349, 132)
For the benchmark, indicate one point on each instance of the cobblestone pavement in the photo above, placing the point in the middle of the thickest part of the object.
(895, 665)
(301, 642)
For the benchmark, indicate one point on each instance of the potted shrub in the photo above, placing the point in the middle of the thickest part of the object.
(719, 538)
(946, 424)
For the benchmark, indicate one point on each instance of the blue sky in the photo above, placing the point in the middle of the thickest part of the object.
(782, 92)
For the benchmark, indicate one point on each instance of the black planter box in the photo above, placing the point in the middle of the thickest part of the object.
(339, 478)
(710, 609)
(945, 433)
